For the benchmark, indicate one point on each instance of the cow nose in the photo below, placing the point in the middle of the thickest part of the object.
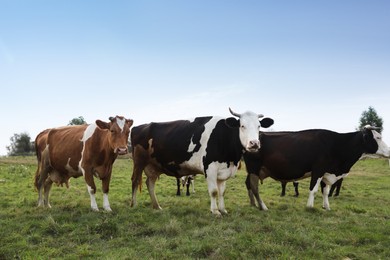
(121, 151)
(254, 144)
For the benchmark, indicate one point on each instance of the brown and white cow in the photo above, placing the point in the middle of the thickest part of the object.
(81, 150)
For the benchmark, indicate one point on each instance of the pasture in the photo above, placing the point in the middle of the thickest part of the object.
(357, 227)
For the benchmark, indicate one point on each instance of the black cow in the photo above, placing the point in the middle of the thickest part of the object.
(322, 154)
(209, 145)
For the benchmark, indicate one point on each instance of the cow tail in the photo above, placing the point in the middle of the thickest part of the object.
(36, 178)
(39, 157)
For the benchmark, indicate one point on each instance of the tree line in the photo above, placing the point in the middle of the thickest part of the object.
(21, 143)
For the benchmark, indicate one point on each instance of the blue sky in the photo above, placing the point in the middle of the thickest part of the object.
(307, 64)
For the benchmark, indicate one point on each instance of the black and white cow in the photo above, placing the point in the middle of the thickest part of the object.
(186, 181)
(212, 146)
(322, 155)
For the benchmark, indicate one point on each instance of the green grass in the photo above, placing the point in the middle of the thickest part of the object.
(357, 227)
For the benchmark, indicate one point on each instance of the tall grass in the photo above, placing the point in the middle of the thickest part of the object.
(357, 227)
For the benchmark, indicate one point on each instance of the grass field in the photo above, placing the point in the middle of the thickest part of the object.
(357, 227)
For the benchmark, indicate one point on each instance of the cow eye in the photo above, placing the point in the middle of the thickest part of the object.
(242, 127)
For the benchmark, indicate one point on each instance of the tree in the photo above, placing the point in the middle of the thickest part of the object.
(370, 117)
(77, 121)
(20, 145)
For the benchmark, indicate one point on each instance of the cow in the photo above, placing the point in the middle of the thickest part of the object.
(323, 155)
(185, 181)
(80, 150)
(211, 145)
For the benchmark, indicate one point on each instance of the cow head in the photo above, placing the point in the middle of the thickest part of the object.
(373, 143)
(249, 127)
(119, 130)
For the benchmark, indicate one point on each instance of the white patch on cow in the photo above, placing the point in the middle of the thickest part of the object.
(249, 131)
(310, 201)
(383, 148)
(192, 146)
(106, 203)
(196, 160)
(329, 178)
(69, 168)
(87, 134)
(224, 172)
(93, 199)
(121, 123)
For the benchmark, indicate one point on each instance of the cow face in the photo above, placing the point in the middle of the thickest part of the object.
(119, 130)
(249, 127)
(374, 144)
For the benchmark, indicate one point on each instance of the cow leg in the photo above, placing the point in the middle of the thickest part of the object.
(47, 188)
(150, 183)
(314, 184)
(40, 187)
(188, 186)
(254, 182)
(41, 176)
(325, 195)
(221, 192)
(91, 187)
(193, 183)
(106, 187)
(178, 187)
(250, 193)
(283, 189)
(213, 191)
(338, 187)
(296, 184)
(151, 179)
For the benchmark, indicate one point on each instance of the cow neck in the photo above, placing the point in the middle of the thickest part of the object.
(352, 148)
(102, 136)
(234, 145)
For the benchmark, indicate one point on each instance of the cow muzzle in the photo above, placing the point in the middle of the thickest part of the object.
(121, 151)
(253, 146)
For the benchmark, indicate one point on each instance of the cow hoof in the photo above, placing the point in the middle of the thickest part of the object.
(263, 207)
(108, 209)
(95, 209)
(216, 213)
(223, 211)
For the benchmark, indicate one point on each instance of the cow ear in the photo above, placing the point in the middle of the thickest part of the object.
(102, 125)
(130, 122)
(232, 122)
(266, 122)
